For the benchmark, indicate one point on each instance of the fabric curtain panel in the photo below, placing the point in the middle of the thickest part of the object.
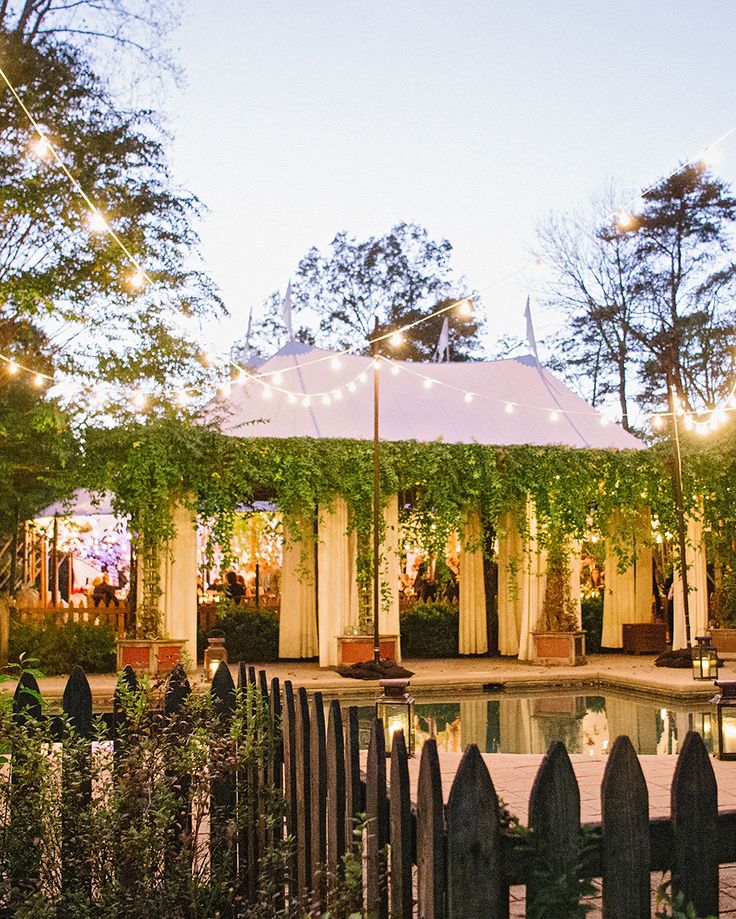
(178, 572)
(298, 620)
(697, 582)
(337, 595)
(628, 594)
(473, 628)
(510, 564)
(533, 577)
(390, 571)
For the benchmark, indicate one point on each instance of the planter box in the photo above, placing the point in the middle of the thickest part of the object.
(559, 648)
(644, 637)
(149, 655)
(351, 649)
(724, 640)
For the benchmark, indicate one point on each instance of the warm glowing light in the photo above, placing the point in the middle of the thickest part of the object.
(335, 363)
(509, 408)
(137, 279)
(12, 368)
(362, 377)
(306, 401)
(395, 370)
(291, 398)
(96, 222)
(624, 220)
(376, 365)
(41, 147)
(210, 358)
(468, 397)
(701, 428)
(657, 422)
(710, 156)
(351, 386)
(465, 309)
(266, 392)
(396, 340)
(139, 400)
(182, 398)
(241, 378)
(225, 388)
(326, 399)
(554, 416)
(39, 380)
(337, 395)
(659, 539)
(663, 713)
(688, 422)
(428, 383)
(277, 378)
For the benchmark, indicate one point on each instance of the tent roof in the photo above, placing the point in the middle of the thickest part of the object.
(409, 409)
(82, 504)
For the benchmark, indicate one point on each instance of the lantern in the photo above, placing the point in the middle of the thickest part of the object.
(705, 659)
(213, 654)
(395, 709)
(725, 703)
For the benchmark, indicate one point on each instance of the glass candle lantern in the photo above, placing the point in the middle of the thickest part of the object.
(213, 654)
(395, 709)
(705, 659)
(725, 703)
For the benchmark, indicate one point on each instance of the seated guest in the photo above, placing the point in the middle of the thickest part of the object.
(104, 592)
(234, 590)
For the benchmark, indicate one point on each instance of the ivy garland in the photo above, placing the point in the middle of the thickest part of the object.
(148, 467)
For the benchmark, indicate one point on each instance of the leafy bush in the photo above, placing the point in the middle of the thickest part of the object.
(429, 630)
(250, 634)
(593, 622)
(58, 646)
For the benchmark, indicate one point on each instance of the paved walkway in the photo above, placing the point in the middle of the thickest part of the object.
(614, 671)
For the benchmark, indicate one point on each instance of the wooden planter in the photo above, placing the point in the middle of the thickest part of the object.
(724, 640)
(149, 655)
(559, 648)
(644, 637)
(351, 649)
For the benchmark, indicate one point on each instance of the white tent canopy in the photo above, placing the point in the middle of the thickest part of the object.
(512, 401)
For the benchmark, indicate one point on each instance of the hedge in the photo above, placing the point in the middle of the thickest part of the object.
(250, 634)
(58, 646)
(429, 630)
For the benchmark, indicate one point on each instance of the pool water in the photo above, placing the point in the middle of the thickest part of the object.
(585, 722)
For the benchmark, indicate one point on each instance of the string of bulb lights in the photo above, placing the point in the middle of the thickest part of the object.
(271, 381)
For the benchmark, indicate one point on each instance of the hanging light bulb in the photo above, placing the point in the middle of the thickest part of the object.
(465, 308)
(351, 386)
(291, 398)
(362, 377)
(241, 378)
(277, 378)
(395, 369)
(376, 365)
(306, 401)
(396, 340)
(624, 220)
(39, 380)
(266, 392)
(12, 367)
(509, 408)
(554, 416)
(337, 395)
(326, 399)
(468, 397)
(225, 388)
(137, 279)
(335, 363)
(688, 422)
(41, 147)
(428, 383)
(96, 222)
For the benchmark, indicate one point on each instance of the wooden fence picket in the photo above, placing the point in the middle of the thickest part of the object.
(249, 803)
(178, 690)
(354, 790)
(431, 869)
(554, 815)
(376, 806)
(335, 791)
(303, 793)
(694, 802)
(288, 733)
(76, 786)
(402, 899)
(625, 845)
(318, 778)
(275, 780)
(223, 799)
(475, 885)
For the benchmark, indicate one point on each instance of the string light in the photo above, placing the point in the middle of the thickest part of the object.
(428, 383)
(277, 378)
(362, 377)
(337, 395)
(465, 309)
(395, 369)
(225, 389)
(335, 363)
(137, 279)
(41, 147)
(38, 381)
(306, 401)
(352, 387)
(509, 408)
(624, 220)
(96, 221)
(326, 400)
(266, 392)
(468, 397)
(139, 399)
(12, 368)
(554, 416)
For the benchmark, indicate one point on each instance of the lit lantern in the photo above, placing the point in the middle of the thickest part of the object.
(725, 703)
(705, 659)
(213, 654)
(395, 709)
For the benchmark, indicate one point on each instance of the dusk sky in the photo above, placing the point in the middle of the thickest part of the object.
(475, 119)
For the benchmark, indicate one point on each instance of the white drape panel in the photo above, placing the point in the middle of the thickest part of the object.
(178, 601)
(390, 571)
(337, 595)
(298, 619)
(697, 582)
(474, 723)
(628, 594)
(510, 562)
(473, 638)
(533, 583)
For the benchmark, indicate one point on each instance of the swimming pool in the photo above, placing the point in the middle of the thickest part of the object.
(586, 721)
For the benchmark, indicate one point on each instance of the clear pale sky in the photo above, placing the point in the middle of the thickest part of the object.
(475, 119)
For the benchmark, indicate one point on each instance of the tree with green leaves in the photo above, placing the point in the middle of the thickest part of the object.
(647, 297)
(359, 288)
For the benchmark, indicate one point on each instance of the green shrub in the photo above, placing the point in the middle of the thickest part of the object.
(429, 630)
(593, 622)
(250, 634)
(59, 646)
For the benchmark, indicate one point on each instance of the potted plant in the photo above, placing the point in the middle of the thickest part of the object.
(723, 610)
(558, 639)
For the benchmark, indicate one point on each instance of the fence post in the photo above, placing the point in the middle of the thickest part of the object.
(223, 847)
(178, 691)
(554, 816)
(625, 846)
(290, 786)
(431, 869)
(400, 831)
(376, 805)
(318, 777)
(354, 802)
(335, 792)
(249, 790)
(694, 802)
(303, 793)
(76, 787)
(475, 884)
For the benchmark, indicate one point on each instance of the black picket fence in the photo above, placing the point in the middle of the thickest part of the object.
(423, 857)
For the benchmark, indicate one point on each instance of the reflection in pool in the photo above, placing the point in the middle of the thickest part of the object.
(586, 723)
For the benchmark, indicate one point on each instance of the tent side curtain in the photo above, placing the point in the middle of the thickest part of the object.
(628, 594)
